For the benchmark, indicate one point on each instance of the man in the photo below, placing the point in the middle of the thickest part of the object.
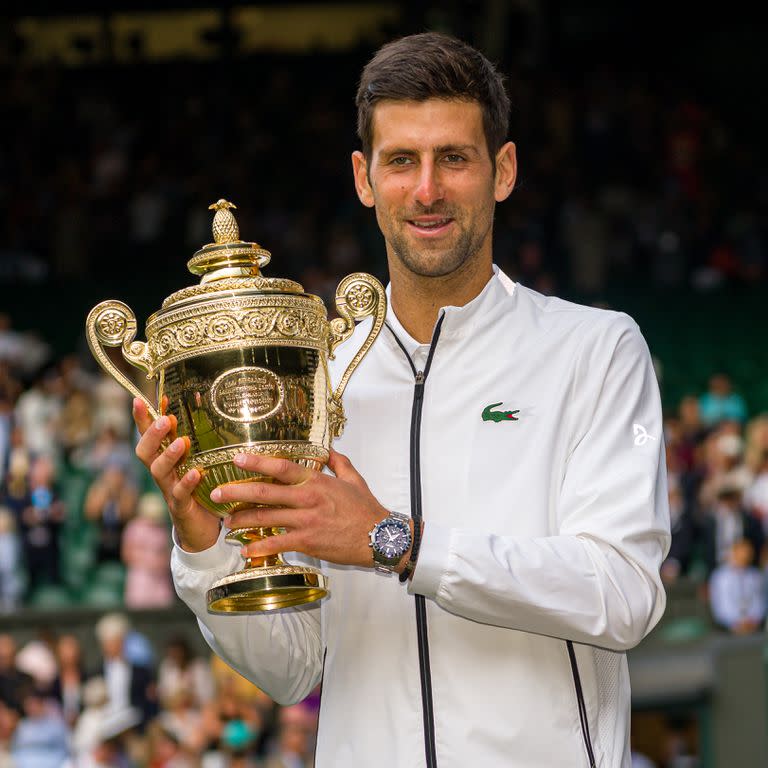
(521, 435)
(129, 685)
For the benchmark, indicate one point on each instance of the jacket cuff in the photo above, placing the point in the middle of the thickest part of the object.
(206, 559)
(434, 555)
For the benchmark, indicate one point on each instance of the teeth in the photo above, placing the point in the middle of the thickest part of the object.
(431, 224)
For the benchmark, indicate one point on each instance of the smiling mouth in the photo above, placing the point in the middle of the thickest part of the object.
(429, 225)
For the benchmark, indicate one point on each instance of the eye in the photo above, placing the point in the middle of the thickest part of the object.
(401, 160)
(453, 158)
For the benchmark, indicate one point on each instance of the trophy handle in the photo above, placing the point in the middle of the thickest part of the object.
(113, 324)
(358, 296)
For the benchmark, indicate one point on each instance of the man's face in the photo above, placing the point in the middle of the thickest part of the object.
(433, 183)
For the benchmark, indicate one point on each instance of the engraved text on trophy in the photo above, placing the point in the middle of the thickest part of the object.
(247, 394)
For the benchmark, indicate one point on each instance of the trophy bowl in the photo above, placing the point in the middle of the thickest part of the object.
(241, 362)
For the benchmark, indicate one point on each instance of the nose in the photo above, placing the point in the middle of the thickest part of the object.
(429, 189)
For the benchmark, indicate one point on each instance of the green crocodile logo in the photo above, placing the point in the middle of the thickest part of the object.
(489, 415)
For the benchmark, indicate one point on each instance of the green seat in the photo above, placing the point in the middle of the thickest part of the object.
(50, 596)
(98, 595)
(110, 574)
(684, 629)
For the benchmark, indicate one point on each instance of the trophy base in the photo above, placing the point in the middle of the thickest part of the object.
(268, 588)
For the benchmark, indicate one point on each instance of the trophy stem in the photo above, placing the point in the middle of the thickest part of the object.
(265, 583)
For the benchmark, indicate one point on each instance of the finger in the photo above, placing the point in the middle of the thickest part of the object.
(343, 468)
(273, 494)
(164, 465)
(281, 469)
(273, 545)
(183, 490)
(149, 444)
(263, 518)
(141, 415)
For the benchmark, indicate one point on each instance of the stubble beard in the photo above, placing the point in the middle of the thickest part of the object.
(429, 262)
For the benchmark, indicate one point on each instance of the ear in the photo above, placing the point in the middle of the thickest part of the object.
(506, 172)
(362, 185)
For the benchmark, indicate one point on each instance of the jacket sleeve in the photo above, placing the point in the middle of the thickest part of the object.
(281, 651)
(595, 580)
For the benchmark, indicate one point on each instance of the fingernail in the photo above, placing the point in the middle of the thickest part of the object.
(216, 494)
(177, 445)
(192, 476)
(135, 403)
(228, 522)
(239, 459)
(162, 423)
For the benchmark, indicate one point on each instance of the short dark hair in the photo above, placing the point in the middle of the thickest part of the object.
(433, 65)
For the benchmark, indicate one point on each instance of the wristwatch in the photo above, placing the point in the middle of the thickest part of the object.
(390, 540)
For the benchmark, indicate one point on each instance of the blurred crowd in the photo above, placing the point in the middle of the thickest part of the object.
(124, 707)
(717, 465)
(624, 175)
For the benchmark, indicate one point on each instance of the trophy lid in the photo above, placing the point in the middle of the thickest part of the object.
(229, 263)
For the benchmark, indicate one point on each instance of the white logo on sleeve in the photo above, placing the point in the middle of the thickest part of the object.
(641, 434)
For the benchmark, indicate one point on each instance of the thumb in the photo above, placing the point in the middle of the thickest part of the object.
(342, 467)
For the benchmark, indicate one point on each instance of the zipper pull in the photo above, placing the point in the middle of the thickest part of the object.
(419, 385)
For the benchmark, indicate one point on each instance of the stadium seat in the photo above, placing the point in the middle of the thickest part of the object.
(50, 596)
(98, 595)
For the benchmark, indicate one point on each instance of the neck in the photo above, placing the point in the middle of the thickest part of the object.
(417, 300)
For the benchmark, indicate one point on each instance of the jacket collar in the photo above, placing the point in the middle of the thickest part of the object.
(459, 321)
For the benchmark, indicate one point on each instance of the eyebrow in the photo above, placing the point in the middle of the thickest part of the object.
(439, 150)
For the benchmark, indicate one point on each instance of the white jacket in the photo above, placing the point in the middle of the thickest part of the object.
(540, 530)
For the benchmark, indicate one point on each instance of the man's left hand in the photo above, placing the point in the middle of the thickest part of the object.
(324, 516)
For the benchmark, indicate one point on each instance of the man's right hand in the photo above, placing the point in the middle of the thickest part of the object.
(196, 528)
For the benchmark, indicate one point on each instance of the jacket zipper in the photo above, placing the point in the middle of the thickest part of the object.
(425, 673)
(581, 705)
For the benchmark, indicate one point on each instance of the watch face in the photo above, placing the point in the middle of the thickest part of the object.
(392, 540)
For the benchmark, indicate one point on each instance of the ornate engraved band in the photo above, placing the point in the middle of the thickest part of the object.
(265, 320)
(296, 451)
(274, 284)
(274, 570)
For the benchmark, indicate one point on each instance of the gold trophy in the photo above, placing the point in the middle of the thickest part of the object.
(241, 361)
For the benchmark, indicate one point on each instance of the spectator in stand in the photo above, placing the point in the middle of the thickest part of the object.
(146, 552)
(724, 463)
(37, 659)
(756, 496)
(85, 733)
(182, 718)
(737, 591)
(16, 486)
(9, 718)
(756, 439)
(110, 503)
(128, 685)
(180, 670)
(164, 750)
(13, 682)
(295, 738)
(684, 533)
(111, 744)
(727, 523)
(37, 413)
(721, 403)
(41, 738)
(10, 562)
(41, 518)
(106, 449)
(70, 678)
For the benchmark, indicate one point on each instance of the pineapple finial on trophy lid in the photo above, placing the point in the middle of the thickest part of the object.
(225, 229)
(227, 256)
